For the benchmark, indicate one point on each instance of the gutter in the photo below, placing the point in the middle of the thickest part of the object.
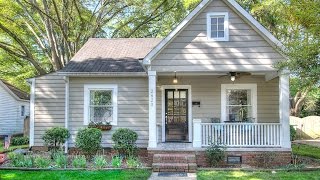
(103, 74)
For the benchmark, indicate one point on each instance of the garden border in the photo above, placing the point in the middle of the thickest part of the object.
(68, 169)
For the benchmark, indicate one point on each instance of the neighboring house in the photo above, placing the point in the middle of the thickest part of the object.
(14, 107)
(210, 80)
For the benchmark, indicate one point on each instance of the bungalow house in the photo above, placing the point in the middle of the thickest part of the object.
(211, 80)
(14, 107)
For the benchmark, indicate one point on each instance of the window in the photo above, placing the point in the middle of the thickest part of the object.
(239, 102)
(100, 104)
(22, 110)
(218, 26)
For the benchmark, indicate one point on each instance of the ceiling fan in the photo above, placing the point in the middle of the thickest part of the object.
(234, 75)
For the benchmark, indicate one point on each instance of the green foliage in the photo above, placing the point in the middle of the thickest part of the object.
(99, 162)
(60, 159)
(79, 162)
(55, 137)
(215, 154)
(306, 150)
(18, 141)
(116, 161)
(133, 162)
(20, 160)
(125, 141)
(293, 133)
(42, 162)
(89, 140)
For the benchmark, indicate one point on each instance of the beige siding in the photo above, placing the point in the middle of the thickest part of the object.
(49, 105)
(207, 90)
(191, 51)
(132, 106)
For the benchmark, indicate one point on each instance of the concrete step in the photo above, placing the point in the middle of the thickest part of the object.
(174, 158)
(174, 167)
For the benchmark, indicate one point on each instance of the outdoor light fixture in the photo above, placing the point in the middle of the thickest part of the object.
(175, 80)
(233, 76)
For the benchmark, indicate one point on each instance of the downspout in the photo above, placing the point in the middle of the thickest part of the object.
(32, 83)
(66, 111)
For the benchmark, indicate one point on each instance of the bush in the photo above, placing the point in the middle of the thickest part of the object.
(293, 133)
(99, 162)
(55, 137)
(79, 162)
(89, 140)
(20, 160)
(60, 159)
(116, 161)
(125, 141)
(42, 162)
(18, 141)
(215, 154)
(133, 162)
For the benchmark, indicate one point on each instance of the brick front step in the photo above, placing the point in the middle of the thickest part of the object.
(174, 167)
(174, 158)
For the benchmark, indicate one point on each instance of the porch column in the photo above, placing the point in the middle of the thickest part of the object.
(197, 133)
(152, 109)
(284, 109)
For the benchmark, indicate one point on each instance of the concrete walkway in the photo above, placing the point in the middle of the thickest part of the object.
(315, 142)
(173, 175)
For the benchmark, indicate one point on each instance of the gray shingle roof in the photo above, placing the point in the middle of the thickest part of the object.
(111, 55)
(18, 92)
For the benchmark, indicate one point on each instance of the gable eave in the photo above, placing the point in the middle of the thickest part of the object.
(11, 93)
(272, 40)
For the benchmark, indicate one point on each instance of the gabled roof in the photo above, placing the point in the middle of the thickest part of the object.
(14, 91)
(111, 55)
(201, 6)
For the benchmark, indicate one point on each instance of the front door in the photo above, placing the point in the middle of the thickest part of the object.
(176, 115)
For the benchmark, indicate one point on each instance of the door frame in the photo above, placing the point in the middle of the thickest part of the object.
(163, 130)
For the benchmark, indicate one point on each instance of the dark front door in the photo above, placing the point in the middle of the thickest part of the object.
(176, 115)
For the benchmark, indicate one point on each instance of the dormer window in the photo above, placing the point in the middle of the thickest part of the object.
(218, 26)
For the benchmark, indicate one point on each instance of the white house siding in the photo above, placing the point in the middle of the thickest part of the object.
(132, 106)
(246, 50)
(49, 105)
(207, 90)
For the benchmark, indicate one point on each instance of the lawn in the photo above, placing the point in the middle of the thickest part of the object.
(256, 175)
(74, 175)
(306, 150)
(11, 148)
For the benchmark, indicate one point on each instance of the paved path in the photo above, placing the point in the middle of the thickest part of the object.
(315, 143)
(169, 176)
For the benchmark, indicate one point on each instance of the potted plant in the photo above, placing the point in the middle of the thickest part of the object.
(103, 126)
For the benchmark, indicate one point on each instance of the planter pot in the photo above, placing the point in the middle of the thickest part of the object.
(102, 127)
(3, 158)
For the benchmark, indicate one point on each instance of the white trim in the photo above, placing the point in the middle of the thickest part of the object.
(66, 111)
(188, 87)
(24, 111)
(32, 100)
(284, 109)
(226, 26)
(11, 93)
(113, 88)
(252, 87)
(233, 4)
(152, 84)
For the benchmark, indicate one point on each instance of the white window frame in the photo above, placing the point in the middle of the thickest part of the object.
(24, 110)
(113, 88)
(226, 26)
(225, 87)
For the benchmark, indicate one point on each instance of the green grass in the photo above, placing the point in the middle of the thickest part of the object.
(74, 175)
(246, 175)
(11, 148)
(306, 150)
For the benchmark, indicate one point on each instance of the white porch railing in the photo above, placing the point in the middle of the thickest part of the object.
(241, 134)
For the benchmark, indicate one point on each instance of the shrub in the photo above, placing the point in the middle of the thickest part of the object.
(60, 159)
(79, 162)
(125, 141)
(55, 137)
(18, 141)
(215, 154)
(116, 161)
(89, 140)
(133, 162)
(293, 133)
(20, 160)
(99, 162)
(42, 162)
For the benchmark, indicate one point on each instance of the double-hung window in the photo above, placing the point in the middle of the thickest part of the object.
(239, 102)
(100, 104)
(218, 26)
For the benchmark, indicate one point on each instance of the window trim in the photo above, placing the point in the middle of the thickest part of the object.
(88, 88)
(252, 87)
(24, 110)
(226, 25)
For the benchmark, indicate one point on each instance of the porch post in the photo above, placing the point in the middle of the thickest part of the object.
(197, 133)
(152, 109)
(284, 109)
